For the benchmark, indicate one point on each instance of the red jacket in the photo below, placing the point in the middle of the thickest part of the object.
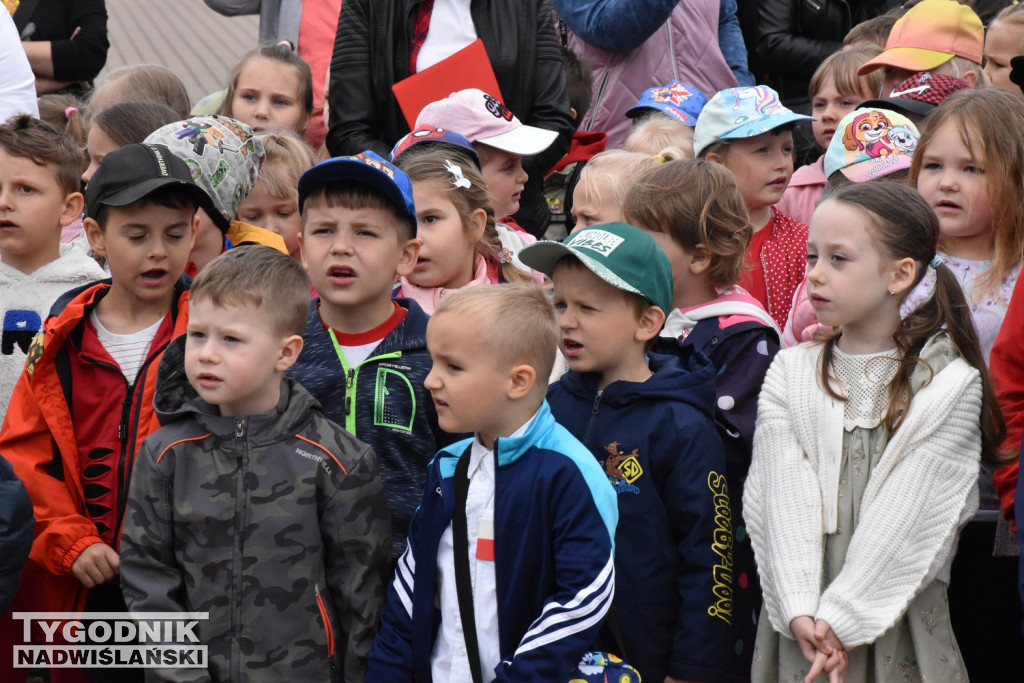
(784, 260)
(39, 437)
(1006, 366)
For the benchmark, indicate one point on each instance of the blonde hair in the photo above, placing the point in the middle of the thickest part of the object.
(842, 67)
(288, 157)
(657, 133)
(281, 54)
(428, 163)
(697, 203)
(517, 323)
(973, 113)
(608, 176)
(962, 65)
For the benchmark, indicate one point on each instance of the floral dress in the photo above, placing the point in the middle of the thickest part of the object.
(920, 646)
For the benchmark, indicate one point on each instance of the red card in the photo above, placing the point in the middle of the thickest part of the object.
(485, 540)
(468, 68)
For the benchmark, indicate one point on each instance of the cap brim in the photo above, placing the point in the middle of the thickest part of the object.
(544, 256)
(764, 124)
(904, 105)
(676, 113)
(908, 58)
(524, 140)
(130, 195)
(871, 169)
(342, 169)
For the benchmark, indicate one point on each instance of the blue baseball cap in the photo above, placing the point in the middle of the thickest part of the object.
(435, 135)
(365, 167)
(677, 99)
(741, 113)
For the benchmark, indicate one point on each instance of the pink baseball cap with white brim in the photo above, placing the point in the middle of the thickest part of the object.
(481, 118)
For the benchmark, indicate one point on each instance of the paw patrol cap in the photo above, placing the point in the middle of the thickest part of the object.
(930, 34)
(481, 118)
(870, 143)
(741, 113)
(621, 255)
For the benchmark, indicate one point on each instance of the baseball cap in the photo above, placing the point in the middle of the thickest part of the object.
(435, 135)
(621, 255)
(365, 167)
(930, 34)
(870, 143)
(481, 118)
(135, 171)
(741, 113)
(224, 156)
(919, 94)
(677, 99)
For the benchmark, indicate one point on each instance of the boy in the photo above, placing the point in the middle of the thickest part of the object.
(521, 507)
(649, 423)
(83, 405)
(365, 355)
(39, 182)
(751, 134)
(314, 512)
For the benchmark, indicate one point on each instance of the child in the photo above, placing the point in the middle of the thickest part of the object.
(656, 133)
(83, 405)
(522, 505)
(835, 90)
(226, 157)
(750, 133)
(976, 186)
(605, 181)
(460, 246)
(648, 422)
(365, 355)
(119, 125)
(501, 140)
(39, 169)
(273, 202)
(315, 515)
(140, 83)
(675, 101)
(1004, 40)
(271, 88)
(866, 452)
(695, 213)
(64, 111)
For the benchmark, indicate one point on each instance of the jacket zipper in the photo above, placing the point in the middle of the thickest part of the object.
(241, 462)
(328, 629)
(351, 382)
(672, 50)
(597, 101)
(593, 418)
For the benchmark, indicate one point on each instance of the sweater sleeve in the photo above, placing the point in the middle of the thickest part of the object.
(782, 503)
(82, 55)
(615, 25)
(910, 515)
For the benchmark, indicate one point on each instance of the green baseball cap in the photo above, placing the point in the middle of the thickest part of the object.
(621, 255)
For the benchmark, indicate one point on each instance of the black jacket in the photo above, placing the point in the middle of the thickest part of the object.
(79, 59)
(16, 527)
(371, 53)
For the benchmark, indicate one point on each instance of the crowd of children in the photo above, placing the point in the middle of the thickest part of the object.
(731, 421)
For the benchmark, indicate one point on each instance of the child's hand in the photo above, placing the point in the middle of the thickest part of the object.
(97, 564)
(802, 629)
(831, 657)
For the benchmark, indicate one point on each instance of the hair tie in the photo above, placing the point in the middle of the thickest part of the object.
(458, 179)
(660, 159)
(69, 111)
(287, 44)
(505, 255)
(923, 290)
(937, 261)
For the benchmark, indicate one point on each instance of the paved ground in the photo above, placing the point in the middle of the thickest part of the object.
(186, 36)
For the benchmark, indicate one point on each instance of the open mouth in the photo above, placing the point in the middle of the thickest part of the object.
(948, 205)
(7, 224)
(572, 347)
(154, 276)
(341, 275)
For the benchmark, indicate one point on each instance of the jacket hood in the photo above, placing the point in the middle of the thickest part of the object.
(687, 375)
(176, 399)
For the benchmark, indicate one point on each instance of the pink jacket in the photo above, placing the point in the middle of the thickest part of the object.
(805, 190)
(685, 48)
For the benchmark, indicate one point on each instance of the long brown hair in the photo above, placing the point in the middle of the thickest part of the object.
(972, 113)
(275, 53)
(904, 226)
(427, 163)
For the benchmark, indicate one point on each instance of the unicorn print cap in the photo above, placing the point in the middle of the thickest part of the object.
(741, 113)
(870, 143)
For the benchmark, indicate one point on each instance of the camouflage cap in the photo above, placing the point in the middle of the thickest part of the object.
(223, 155)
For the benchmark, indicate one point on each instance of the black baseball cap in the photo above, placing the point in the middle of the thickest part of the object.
(134, 171)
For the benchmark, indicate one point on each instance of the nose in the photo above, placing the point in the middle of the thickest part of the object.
(431, 381)
(341, 244)
(521, 176)
(566, 320)
(88, 173)
(262, 109)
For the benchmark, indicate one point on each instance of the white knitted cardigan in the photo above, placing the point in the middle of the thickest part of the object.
(921, 492)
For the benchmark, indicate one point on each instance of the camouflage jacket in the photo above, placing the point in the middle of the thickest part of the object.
(275, 524)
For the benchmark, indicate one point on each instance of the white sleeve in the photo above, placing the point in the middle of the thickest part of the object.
(17, 82)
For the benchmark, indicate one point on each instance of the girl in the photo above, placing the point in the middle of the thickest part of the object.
(64, 111)
(143, 82)
(658, 132)
(835, 91)
(274, 201)
(866, 453)
(1004, 40)
(271, 88)
(122, 124)
(696, 214)
(605, 181)
(461, 246)
(975, 183)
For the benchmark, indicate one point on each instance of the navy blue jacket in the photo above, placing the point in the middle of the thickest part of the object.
(554, 519)
(660, 450)
(17, 527)
(381, 402)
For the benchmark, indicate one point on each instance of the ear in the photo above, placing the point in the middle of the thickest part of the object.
(715, 157)
(572, 110)
(195, 232)
(970, 78)
(95, 236)
(74, 204)
(407, 261)
(477, 224)
(650, 324)
(700, 259)
(289, 352)
(521, 379)
(903, 275)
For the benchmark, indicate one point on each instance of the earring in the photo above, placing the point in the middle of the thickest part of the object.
(892, 291)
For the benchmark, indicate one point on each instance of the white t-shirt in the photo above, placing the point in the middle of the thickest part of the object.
(451, 29)
(129, 351)
(17, 82)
